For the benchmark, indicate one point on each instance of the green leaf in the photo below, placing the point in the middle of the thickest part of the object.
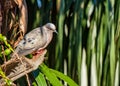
(7, 51)
(50, 75)
(4, 39)
(64, 77)
(112, 57)
(39, 78)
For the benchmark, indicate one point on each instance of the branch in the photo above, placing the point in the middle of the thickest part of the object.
(15, 69)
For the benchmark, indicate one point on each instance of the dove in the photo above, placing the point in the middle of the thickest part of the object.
(35, 40)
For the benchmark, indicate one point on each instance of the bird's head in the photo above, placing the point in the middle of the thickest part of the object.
(51, 26)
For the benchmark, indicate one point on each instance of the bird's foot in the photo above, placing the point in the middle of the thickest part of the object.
(38, 53)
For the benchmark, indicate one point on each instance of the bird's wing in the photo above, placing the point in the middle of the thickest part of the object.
(31, 42)
(24, 52)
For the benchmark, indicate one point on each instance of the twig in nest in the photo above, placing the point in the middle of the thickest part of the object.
(24, 67)
(3, 53)
(14, 69)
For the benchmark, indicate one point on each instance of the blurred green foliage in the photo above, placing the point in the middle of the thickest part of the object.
(8, 49)
(88, 39)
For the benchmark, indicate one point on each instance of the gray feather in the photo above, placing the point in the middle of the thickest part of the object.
(38, 38)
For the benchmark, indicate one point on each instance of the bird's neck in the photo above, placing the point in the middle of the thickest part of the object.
(49, 36)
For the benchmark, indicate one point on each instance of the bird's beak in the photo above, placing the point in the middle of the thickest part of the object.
(55, 31)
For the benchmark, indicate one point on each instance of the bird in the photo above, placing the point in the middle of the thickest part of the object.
(35, 40)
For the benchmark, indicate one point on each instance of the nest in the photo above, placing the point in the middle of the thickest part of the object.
(18, 67)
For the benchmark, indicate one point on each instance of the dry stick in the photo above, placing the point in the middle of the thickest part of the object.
(18, 40)
(24, 68)
(23, 14)
(3, 54)
(27, 77)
